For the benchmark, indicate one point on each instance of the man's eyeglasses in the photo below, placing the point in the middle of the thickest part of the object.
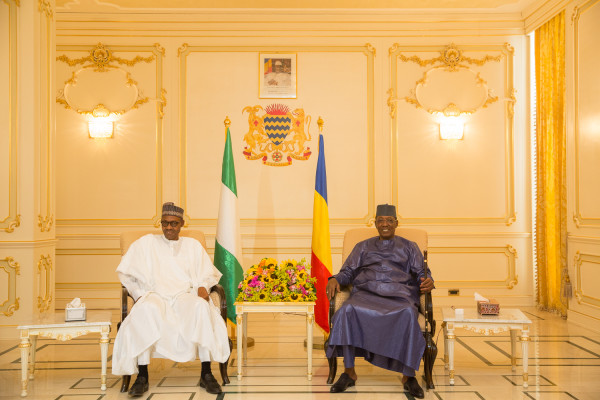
(174, 224)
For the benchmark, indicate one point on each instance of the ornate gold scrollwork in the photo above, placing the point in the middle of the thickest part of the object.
(451, 59)
(45, 224)
(102, 59)
(46, 7)
(13, 224)
(44, 266)
(371, 49)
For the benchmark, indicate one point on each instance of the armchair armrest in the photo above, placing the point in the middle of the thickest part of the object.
(337, 301)
(217, 294)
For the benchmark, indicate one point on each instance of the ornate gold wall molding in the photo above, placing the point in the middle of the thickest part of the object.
(46, 95)
(101, 60)
(579, 219)
(13, 220)
(510, 252)
(12, 269)
(368, 50)
(45, 285)
(579, 259)
(453, 58)
(46, 7)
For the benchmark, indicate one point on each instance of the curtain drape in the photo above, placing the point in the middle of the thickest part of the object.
(551, 201)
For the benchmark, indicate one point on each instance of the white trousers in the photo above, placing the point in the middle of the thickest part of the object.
(179, 329)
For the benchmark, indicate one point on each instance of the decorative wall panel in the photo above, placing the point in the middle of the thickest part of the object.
(116, 181)
(468, 181)
(474, 267)
(46, 118)
(216, 82)
(587, 120)
(10, 268)
(9, 217)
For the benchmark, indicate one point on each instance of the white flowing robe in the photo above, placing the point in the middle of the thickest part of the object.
(169, 319)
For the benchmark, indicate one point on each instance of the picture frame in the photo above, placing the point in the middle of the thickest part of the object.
(277, 75)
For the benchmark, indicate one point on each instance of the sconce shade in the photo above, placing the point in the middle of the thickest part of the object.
(451, 128)
(100, 123)
(100, 127)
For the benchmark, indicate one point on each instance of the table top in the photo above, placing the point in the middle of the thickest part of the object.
(57, 320)
(506, 315)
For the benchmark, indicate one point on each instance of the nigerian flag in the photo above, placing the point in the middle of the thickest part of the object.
(228, 243)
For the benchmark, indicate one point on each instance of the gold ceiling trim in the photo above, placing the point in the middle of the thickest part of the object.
(453, 60)
(13, 219)
(512, 279)
(158, 53)
(100, 58)
(44, 268)
(12, 269)
(581, 297)
(579, 219)
(368, 50)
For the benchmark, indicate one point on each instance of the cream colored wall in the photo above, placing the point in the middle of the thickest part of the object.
(583, 128)
(27, 229)
(471, 195)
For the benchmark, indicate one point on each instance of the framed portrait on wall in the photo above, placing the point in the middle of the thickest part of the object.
(277, 76)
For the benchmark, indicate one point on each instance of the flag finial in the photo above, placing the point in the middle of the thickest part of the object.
(320, 123)
(227, 122)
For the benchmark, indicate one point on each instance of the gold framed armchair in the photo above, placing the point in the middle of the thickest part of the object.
(425, 319)
(217, 293)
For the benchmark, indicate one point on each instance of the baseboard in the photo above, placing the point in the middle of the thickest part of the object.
(586, 321)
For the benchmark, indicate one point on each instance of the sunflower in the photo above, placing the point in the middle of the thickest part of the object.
(294, 297)
(262, 296)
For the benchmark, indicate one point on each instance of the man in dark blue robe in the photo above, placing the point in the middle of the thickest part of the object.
(379, 320)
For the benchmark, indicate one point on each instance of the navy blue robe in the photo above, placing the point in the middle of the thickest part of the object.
(379, 320)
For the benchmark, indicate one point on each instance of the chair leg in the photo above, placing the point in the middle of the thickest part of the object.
(223, 366)
(332, 369)
(125, 384)
(429, 357)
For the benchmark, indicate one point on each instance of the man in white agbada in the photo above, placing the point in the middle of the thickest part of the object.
(169, 278)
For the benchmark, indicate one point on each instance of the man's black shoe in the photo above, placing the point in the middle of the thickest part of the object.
(139, 387)
(211, 385)
(412, 386)
(342, 384)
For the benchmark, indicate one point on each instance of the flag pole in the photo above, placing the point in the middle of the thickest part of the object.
(230, 325)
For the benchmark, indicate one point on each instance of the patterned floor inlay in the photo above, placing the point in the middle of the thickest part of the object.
(564, 364)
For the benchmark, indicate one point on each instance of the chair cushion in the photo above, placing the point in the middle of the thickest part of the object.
(127, 238)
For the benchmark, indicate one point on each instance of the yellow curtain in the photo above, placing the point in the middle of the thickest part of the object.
(551, 199)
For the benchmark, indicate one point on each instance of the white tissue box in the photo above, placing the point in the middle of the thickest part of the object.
(75, 313)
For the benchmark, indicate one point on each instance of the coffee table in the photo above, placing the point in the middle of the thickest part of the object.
(243, 308)
(510, 319)
(53, 326)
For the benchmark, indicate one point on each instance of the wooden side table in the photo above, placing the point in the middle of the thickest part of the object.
(242, 310)
(53, 326)
(510, 319)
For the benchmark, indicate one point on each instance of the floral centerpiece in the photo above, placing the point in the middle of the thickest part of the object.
(268, 281)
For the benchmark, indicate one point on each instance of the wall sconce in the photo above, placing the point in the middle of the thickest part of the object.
(451, 128)
(101, 123)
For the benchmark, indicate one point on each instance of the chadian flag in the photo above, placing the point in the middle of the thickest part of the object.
(228, 243)
(321, 244)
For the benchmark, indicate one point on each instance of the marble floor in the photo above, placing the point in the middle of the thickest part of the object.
(564, 363)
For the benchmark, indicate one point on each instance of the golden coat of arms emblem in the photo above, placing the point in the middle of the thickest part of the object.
(277, 136)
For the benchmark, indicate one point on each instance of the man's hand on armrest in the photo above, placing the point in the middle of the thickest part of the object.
(426, 285)
(332, 288)
(203, 293)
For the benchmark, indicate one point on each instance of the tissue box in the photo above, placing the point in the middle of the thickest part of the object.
(75, 314)
(490, 307)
